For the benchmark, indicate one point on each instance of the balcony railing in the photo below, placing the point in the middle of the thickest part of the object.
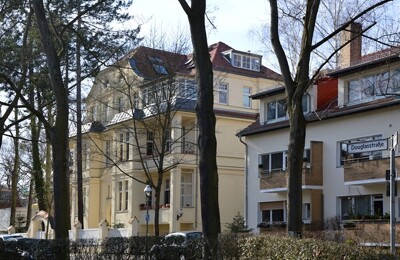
(312, 172)
(369, 171)
(278, 179)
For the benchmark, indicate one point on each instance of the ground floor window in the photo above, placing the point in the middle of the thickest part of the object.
(123, 195)
(306, 212)
(272, 216)
(359, 207)
(273, 212)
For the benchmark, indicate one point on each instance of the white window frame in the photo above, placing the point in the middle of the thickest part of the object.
(168, 142)
(307, 212)
(186, 189)
(268, 168)
(307, 105)
(120, 104)
(246, 62)
(187, 88)
(127, 147)
(94, 113)
(246, 97)
(121, 147)
(271, 214)
(281, 103)
(352, 204)
(150, 143)
(373, 86)
(278, 104)
(85, 156)
(167, 191)
(223, 93)
(123, 195)
(108, 153)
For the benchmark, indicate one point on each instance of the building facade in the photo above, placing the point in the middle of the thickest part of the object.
(351, 115)
(141, 124)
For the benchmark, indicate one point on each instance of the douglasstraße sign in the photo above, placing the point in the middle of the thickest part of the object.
(368, 146)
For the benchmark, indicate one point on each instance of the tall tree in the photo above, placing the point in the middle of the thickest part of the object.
(296, 83)
(79, 118)
(14, 178)
(206, 124)
(58, 134)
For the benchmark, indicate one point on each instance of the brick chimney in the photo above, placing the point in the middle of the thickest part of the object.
(351, 53)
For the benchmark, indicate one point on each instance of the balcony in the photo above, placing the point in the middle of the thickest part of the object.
(312, 174)
(367, 170)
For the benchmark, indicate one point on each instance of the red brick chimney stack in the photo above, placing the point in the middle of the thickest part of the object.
(351, 53)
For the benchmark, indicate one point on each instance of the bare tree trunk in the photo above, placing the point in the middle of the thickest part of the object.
(29, 210)
(157, 196)
(206, 123)
(295, 168)
(58, 134)
(14, 178)
(37, 170)
(79, 123)
(48, 167)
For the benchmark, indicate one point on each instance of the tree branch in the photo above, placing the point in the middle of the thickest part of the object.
(343, 26)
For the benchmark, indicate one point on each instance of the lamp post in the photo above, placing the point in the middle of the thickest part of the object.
(147, 191)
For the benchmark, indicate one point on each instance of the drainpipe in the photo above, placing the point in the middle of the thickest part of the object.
(246, 177)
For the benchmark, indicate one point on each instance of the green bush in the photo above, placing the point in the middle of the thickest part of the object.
(273, 247)
(238, 225)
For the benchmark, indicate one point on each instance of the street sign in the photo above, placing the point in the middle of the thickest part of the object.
(147, 217)
(394, 141)
(368, 146)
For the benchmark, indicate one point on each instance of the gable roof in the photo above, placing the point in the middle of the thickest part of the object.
(144, 61)
(221, 63)
(316, 116)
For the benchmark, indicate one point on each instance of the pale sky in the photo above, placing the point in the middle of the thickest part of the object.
(234, 19)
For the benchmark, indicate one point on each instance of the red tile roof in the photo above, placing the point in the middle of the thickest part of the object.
(183, 64)
(220, 63)
(326, 114)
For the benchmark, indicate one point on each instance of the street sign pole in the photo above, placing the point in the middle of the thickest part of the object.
(392, 194)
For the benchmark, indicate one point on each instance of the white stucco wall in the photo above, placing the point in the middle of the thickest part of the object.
(383, 121)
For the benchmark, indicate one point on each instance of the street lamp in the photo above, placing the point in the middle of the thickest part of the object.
(147, 191)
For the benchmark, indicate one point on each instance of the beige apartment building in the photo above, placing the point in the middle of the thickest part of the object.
(141, 120)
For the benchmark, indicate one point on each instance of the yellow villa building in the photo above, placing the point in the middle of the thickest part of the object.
(140, 123)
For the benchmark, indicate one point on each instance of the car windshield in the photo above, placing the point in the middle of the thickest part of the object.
(5, 238)
(193, 235)
(175, 239)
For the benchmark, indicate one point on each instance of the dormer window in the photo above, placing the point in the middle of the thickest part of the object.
(246, 61)
(158, 65)
(277, 111)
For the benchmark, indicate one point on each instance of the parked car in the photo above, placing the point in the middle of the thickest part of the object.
(26, 248)
(179, 245)
(10, 237)
(9, 247)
